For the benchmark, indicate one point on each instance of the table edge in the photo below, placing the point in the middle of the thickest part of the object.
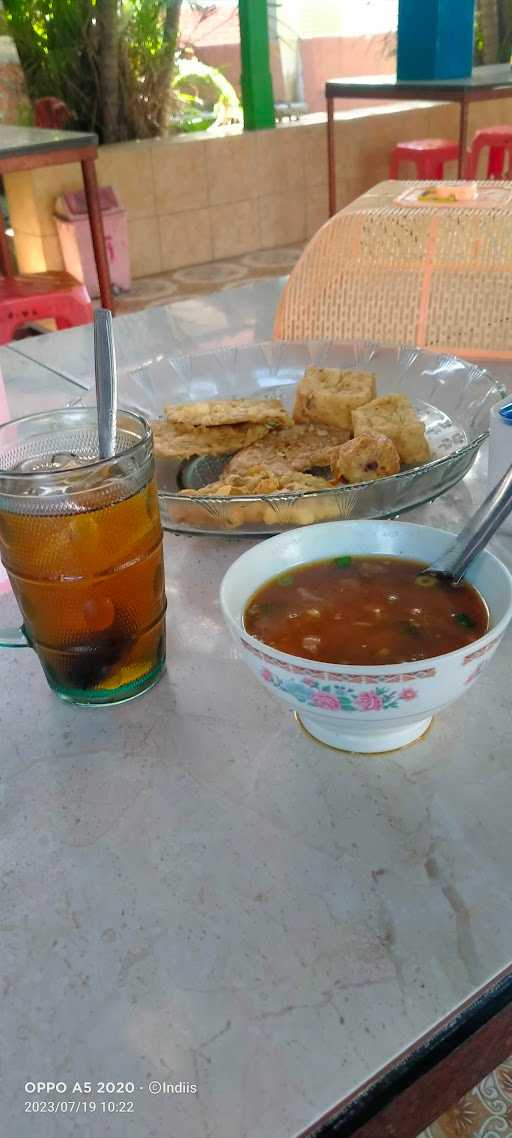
(421, 1057)
(423, 90)
(79, 141)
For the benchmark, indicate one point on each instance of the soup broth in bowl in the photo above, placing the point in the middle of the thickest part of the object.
(324, 662)
(365, 610)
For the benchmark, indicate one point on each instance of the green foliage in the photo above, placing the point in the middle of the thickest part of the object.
(500, 12)
(505, 29)
(25, 114)
(195, 76)
(59, 45)
(479, 39)
(148, 52)
(145, 28)
(203, 96)
(54, 40)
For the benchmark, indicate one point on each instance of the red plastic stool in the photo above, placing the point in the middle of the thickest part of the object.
(499, 141)
(42, 296)
(51, 112)
(428, 154)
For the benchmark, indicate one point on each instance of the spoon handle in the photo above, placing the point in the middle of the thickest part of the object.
(479, 530)
(106, 381)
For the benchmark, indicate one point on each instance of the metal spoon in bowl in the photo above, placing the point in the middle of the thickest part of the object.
(453, 563)
(106, 382)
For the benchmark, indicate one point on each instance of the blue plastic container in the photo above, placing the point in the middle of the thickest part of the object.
(435, 39)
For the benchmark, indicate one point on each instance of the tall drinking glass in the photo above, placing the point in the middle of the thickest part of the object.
(81, 540)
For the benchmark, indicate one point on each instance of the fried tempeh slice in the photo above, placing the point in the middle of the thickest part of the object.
(328, 395)
(275, 508)
(258, 480)
(297, 448)
(394, 416)
(365, 458)
(172, 443)
(223, 412)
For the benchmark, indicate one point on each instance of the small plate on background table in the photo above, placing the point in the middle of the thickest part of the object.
(487, 196)
(451, 396)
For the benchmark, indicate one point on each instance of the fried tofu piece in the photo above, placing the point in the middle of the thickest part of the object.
(224, 412)
(258, 480)
(295, 448)
(395, 417)
(328, 395)
(172, 443)
(365, 458)
(296, 481)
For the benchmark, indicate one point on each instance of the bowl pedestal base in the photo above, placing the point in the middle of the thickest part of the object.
(361, 739)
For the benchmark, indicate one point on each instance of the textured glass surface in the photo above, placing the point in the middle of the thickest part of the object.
(453, 398)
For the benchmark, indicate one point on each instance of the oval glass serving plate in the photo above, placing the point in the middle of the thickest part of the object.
(451, 396)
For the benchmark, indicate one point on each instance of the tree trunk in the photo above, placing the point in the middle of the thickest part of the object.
(108, 21)
(505, 29)
(172, 22)
(170, 38)
(145, 77)
(490, 30)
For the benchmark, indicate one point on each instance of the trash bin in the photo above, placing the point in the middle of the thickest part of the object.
(72, 221)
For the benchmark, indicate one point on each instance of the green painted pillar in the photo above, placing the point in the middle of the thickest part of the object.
(256, 80)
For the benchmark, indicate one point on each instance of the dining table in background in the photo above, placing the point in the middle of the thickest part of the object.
(195, 891)
(492, 81)
(29, 148)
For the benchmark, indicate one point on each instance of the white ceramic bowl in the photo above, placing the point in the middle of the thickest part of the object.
(374, 708)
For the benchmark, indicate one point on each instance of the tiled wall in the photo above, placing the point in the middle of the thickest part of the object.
(195, 199)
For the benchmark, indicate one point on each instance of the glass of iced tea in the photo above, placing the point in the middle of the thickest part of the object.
(81, 541)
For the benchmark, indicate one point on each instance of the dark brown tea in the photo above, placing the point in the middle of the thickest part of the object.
(91, 589)
(365, 610)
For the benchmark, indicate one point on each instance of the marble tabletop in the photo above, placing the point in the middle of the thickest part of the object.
(195, 892)
(31, 387)
(234, 316)
(239, 315)
(18, 140)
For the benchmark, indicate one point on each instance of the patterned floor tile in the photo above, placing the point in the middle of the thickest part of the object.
(273, 259)
(486, 1112)
(192, 280)
(218, 272)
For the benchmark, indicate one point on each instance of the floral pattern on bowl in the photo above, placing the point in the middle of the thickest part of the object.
(339, 697)
(375, 708)
(317, 672)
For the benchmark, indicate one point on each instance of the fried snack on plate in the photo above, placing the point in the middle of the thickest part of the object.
(328, 395)
(395, 417)
(257, 480)
(365, 458)
(172, 443)
(272, 511)
(294, 448)
(304, 511)
(223, 412)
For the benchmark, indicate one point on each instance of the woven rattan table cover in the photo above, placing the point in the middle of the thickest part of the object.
(438, 276)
